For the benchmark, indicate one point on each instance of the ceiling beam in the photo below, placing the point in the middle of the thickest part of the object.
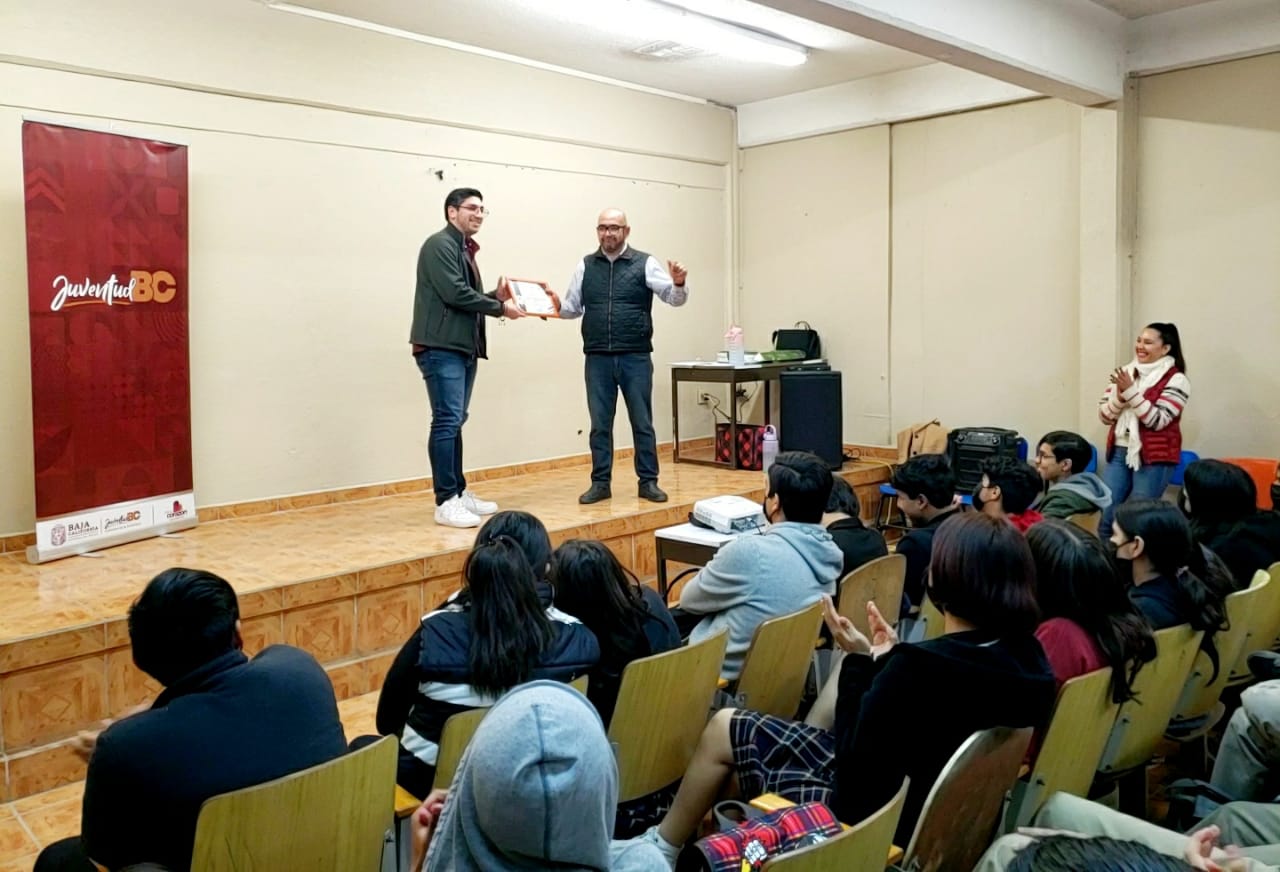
(1204, 34)
(1071, 49)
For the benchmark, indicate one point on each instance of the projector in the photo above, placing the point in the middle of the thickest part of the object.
(729, 514)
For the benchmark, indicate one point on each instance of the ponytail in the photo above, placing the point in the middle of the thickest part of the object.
(509, 627)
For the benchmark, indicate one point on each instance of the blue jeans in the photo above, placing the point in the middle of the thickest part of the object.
(632, 374)
(1147, 483)
(449, 375)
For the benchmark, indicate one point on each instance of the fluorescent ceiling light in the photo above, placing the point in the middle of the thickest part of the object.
(658, 20)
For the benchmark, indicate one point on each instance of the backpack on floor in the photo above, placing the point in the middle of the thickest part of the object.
(750, 843)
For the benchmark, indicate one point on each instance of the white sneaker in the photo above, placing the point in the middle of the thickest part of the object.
(454, 513)
(650, 837)
(477, 506)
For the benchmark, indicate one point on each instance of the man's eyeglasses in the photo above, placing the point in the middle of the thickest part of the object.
(472, 207)
(610, 228)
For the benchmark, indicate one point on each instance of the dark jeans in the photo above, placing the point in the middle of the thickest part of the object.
(449, 375)
(65, 855)
(633, 375)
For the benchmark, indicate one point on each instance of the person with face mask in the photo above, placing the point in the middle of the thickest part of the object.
(756, 577)
(1007, 490)
(1142, 407)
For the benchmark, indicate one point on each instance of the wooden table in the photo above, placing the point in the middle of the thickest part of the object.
(686, 543)
(723, 374)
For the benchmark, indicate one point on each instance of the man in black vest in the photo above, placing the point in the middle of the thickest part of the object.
(612, 290)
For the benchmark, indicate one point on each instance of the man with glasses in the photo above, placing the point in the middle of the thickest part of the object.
(612, 290)
(449, 306)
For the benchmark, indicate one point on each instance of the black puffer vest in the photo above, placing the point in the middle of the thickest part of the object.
(617, 304)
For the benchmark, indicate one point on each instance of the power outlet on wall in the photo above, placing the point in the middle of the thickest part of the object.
(704, 399)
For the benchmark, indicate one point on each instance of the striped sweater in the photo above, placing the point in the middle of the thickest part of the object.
(1158, 410)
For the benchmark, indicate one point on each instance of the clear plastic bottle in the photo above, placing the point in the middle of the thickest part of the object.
(768, 447)
(735, 345)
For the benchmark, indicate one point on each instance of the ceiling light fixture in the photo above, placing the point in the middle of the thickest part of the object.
(658, 20)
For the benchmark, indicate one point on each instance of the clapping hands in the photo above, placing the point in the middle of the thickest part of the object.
(851, 639)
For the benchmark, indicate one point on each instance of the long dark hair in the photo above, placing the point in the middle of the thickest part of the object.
(1199, 574)
(1169, 335)
(1076, 580)
(1217, 495)
(593, 586)
(509, 627)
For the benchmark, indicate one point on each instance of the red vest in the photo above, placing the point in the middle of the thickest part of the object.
(1158, 446)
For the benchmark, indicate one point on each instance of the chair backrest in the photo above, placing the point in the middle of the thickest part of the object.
(457, 733)
(862, 846)
(328, 817)
(879, 581)
(1243, 615)
(1092, 465)
(1185, 459)
(963, 808)
(1088, 521)
(1142, 721)
(1263, 472)
(777, 663)
(931, 617)
(1072, 745)
(662, 708)
(1264, 620)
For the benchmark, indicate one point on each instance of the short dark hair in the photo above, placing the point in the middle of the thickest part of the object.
(802, 482)
(1217, 493)
(183, 619)
(843, 498)
(927, 475)
(1018, 481)
(1066, 445)
(981, 571)
(1070, 853)
(457, 197)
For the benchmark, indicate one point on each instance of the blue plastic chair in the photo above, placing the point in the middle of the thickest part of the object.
(1187, 458)
(1093, 459)
(1022, 449)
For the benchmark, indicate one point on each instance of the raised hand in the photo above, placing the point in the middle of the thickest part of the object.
(883, 635)
(845, 634)
(678, 272)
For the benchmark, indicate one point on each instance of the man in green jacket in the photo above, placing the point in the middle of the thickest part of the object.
(1061, 459)
(449, 305)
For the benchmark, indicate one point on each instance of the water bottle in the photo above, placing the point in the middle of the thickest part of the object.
(734, 344)
(768, 447)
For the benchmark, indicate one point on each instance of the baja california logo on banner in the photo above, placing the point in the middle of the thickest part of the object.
(107, 303)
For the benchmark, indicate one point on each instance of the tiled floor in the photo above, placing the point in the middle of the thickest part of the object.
(27, 825)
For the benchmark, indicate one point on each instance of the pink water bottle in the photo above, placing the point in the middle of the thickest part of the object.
(768, 447)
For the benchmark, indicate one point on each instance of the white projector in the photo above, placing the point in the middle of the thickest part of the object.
(729, 514)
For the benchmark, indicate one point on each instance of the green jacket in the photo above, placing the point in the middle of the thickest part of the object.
(449, 302)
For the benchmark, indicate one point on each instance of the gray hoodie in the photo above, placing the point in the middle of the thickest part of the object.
(536, 789)
(754, 578)
(1083, 492)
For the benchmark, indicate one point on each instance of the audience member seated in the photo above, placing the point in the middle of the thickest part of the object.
(1222, 502)
(1007, 490)
(499, 631)
(1064, 852)
(223, 722)
(1250, 830)
(628, 619)
(536, 789)
(900, 709)
(1061, 459)
(1248, 762)
(857, 542)
(754, 578)
(926, 489)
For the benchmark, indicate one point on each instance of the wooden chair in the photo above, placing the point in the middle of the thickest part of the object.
(964, 805)
(1142, 721)
(931, 618)
(1071, 747)
(879, 581)
(1265, 620)
(663, 701)
(774, 670)
(1200, 696)
(866, 845)
(454, 739)
(1087, 521)
(1263, 471)
(329, 817)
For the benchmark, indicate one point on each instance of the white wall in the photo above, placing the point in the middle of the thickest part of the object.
(1208, 249)
(313, 153)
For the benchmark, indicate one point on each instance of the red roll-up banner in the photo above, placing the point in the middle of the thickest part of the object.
(110, 389)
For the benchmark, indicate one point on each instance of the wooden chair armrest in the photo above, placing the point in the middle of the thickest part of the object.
(1024, 770)
(895, 855)
(722, 684)
(406, 802)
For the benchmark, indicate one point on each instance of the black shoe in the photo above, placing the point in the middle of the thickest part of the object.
(595, 494)
(1265, 665)
(650, 491)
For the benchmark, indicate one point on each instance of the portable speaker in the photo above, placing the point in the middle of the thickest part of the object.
(967, 447)
(811, 418)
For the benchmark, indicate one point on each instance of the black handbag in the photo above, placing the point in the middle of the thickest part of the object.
(802, 338)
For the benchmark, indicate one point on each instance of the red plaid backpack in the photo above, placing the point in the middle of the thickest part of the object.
(746, 846)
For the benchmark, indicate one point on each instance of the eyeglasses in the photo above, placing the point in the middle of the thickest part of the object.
(610, 228)
(472, 207)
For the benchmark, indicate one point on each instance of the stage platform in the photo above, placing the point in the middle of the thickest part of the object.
(346, 580)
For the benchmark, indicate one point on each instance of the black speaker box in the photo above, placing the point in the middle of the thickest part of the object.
(967, 447)
(811, 417)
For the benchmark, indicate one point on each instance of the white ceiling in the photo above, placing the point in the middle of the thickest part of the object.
(516, 27)
(1141, 8)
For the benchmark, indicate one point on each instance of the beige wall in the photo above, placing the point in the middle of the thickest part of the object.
(1208, 249)
(306, 220)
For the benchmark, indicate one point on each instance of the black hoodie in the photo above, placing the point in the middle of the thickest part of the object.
(907, 713)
